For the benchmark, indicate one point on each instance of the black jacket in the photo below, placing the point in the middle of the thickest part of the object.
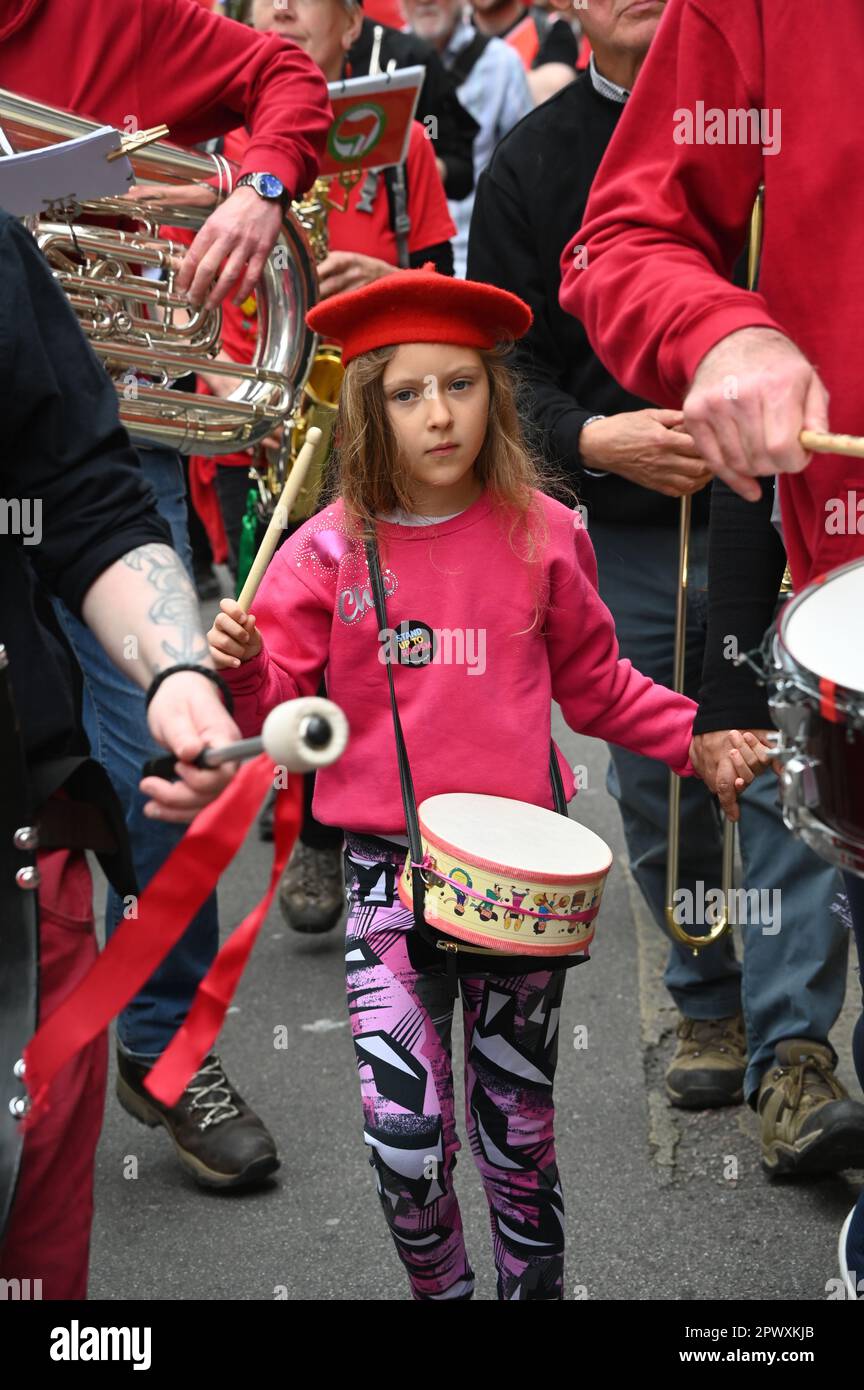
(66, 460)
(456, 129)
(529, 202)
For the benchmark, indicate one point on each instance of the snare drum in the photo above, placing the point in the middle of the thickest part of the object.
(817, 703)
(508, 876)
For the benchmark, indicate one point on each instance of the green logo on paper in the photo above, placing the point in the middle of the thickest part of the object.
(357, 131)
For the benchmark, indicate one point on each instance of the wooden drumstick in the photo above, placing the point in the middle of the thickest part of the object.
(279, 519)
(815, 443)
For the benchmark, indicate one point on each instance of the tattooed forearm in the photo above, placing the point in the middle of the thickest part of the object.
(174, 608)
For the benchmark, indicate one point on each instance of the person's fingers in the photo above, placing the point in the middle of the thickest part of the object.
(193, 257)
(743, 772)
(688, 467)
(231, 608)
(178, 802)
(763, 751)
(238, 632)
(206, 271)
(781, 427)
(710, 450)
(228, 276)
(254, 271)
(725, 787)
(670, 418)
(204, 783)
(747, 751)
(223, 661)
(678, 444)
(816, 405)
(671, 483)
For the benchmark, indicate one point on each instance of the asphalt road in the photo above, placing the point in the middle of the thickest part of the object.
(651, 1210)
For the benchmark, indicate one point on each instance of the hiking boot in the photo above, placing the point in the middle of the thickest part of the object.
(312, 891)
(218, 1139)
(809, 1124)
(708, 1068)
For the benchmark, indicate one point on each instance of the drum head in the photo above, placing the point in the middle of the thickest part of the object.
(822, 629)
(513, 836)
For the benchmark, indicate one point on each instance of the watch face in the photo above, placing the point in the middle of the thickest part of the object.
(269, 186)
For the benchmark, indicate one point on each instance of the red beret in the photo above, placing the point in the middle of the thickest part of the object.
(419, 306)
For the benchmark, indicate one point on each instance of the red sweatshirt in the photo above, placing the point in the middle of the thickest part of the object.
(666, 220)
(477, 716)
(153, 61)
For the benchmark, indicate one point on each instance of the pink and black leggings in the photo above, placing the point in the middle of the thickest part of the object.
(401, 1022)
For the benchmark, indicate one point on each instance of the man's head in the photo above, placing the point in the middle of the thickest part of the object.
(433, 20)
(325, 29)
(619, 27)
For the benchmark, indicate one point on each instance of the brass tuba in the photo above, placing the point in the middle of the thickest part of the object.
(145, 334)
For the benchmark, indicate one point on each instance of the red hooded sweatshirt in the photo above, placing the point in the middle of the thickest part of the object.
(137, 63)
(669, 211)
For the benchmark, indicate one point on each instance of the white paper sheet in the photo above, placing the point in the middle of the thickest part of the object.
(74, 170)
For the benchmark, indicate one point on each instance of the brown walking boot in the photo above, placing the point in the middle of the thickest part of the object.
(708, 1068)
(809, 1124)
(312, 891)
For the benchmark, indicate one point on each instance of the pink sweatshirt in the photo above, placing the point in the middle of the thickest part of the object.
(477, 717)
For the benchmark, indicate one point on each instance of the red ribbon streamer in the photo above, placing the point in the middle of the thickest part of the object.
(165, 909)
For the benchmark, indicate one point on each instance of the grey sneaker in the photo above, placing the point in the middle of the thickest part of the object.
(312, 891)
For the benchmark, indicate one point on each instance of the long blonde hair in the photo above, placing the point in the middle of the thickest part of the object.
(366, 470)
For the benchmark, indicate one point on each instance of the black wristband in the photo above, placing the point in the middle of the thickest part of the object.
(224, 690)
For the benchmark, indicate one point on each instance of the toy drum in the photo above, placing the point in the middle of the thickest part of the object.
(817, 703)
(508, 876)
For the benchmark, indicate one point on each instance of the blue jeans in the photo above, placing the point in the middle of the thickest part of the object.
(793, 980)
(116, 725)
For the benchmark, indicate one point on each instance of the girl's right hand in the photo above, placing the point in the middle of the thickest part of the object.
(233, 638)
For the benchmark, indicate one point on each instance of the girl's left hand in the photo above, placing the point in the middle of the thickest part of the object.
(743, 759)
(348, 270)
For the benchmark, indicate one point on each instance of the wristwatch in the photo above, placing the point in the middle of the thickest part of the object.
(266, 186)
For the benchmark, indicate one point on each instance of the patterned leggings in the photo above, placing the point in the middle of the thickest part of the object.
(401, 1022)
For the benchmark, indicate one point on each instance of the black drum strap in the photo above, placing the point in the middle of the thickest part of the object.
(409, 800)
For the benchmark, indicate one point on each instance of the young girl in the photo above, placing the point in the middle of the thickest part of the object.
(431, 457)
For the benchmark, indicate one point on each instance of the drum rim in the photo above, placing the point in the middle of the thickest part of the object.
(846, 699)
(493, 866)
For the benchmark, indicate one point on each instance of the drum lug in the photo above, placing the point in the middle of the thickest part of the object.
(28, 877)
(27, 837)
(798, 779)
(790, 715)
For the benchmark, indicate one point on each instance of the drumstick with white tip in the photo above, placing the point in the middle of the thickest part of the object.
(300, 735)
(852, 445)
(279, 519)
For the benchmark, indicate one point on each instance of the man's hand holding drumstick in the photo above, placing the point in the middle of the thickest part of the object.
(750, 399)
